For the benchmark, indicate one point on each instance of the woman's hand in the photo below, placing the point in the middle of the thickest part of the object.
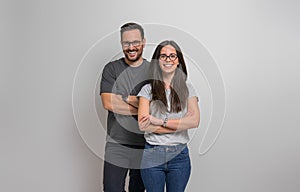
(155, 121)
(144, 122)
(149, 123)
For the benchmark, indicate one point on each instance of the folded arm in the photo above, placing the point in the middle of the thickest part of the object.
(190, 120)
(144, 119)
(133, 100)
(148, 122)
(115, 103)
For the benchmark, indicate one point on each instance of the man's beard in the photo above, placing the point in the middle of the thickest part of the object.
(139, 55)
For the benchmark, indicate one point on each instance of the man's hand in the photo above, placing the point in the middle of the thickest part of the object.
(133, 100)
(115, 103)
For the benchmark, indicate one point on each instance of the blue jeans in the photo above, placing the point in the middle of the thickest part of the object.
(168, 165)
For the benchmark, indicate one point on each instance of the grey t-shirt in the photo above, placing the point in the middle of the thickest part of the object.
(176, 138)
(121, 79)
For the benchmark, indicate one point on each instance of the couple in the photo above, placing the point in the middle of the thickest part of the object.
(150, 107)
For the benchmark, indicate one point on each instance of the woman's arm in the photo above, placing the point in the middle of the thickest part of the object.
(190, 120)
(153, 124)
(144, 119)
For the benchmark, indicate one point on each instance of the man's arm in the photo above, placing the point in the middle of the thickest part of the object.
(115, 103)
(133, 100)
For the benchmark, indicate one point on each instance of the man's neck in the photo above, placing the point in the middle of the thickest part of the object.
(134, 63)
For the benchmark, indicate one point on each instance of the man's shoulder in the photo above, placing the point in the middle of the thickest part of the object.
(145, 61)
(146, 64)
(116, 63)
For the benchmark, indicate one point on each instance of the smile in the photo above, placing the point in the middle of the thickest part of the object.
(131, 53)
(168, 65)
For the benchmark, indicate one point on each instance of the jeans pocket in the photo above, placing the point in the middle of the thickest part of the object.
(152, 158)
(183, 154)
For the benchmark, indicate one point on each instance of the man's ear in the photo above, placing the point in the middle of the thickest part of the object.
(144, 42)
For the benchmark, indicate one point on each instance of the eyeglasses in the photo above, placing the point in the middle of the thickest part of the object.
(133, 43)
(164, 57)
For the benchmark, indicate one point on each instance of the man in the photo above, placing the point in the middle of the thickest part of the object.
(121, 82)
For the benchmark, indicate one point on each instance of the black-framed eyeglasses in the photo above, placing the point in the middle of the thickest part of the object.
(164, 57)
(133, 43)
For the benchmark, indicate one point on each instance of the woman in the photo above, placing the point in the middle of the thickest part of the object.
(168, 107)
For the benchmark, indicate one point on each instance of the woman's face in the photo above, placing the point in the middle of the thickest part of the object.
(168, 60)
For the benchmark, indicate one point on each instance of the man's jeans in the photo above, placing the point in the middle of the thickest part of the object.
(168, 165)
(119, 159)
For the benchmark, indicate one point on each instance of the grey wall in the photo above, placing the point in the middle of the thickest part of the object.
(47, 145)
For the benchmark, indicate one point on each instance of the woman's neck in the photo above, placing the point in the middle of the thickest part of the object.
(167, 78)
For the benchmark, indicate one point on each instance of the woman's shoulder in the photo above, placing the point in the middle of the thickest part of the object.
(191, 88)
(145, 91)
(189, 84)
(147, 86)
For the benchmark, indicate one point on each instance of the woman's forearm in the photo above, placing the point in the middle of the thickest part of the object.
(147, 121)
(184, 123)
(158, 129)
(190, 120)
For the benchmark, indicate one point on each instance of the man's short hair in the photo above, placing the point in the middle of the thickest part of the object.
(132, 26)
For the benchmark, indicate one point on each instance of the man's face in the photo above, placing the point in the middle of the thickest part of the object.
(132, 45)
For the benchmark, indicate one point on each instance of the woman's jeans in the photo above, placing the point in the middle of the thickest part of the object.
(168, 165)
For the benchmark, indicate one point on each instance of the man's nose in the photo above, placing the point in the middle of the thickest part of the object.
(131, 46)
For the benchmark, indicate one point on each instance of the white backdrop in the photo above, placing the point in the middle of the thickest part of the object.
(255, 45)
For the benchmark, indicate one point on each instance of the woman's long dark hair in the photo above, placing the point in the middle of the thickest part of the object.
(179, 91)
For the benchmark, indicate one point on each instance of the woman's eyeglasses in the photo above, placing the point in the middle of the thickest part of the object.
(164, 57)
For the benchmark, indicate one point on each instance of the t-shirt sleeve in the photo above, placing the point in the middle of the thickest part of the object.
(192, 91)
(108, 79)
(146, 92)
